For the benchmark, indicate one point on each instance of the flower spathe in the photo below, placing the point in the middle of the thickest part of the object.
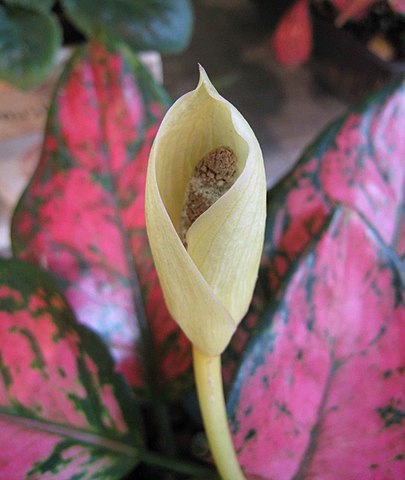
(208, 285)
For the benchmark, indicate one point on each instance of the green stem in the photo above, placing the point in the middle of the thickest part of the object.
(207, 372)
(178, 466)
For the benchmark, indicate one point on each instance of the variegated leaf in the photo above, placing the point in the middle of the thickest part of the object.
(358, 161)
(82, 216)
(64, 413)
(320, 393)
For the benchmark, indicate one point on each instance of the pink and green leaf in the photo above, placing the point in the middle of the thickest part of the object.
(320, 392)
(64, 412)
(82, 216)
(358, 162)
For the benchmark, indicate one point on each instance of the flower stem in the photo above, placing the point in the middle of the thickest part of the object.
(207, 372)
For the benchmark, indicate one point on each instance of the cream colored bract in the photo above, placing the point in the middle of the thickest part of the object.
(207, 287)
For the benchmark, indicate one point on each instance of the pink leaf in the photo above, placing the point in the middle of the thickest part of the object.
(64, 413)
(357, 161)
(351, 9)
(292, 39)
(82, 216)
(321, 389)
(398, 6)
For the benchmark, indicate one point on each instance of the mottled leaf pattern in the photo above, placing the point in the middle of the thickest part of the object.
(82, 217)
(359, 162)
(320, 393)
(64, 413)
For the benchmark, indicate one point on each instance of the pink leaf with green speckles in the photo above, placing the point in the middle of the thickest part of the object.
(64, 413)
(320, 393)
(359, 162)
(82, 217)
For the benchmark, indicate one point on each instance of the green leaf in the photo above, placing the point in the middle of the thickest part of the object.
(162, 25)
(63, 409)
(29, 41)
(37, 5)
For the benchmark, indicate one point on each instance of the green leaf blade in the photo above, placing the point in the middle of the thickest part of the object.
(159, 25)
(37, 5)
(26, 53)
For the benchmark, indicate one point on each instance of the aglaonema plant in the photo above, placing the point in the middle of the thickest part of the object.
(317, 391)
